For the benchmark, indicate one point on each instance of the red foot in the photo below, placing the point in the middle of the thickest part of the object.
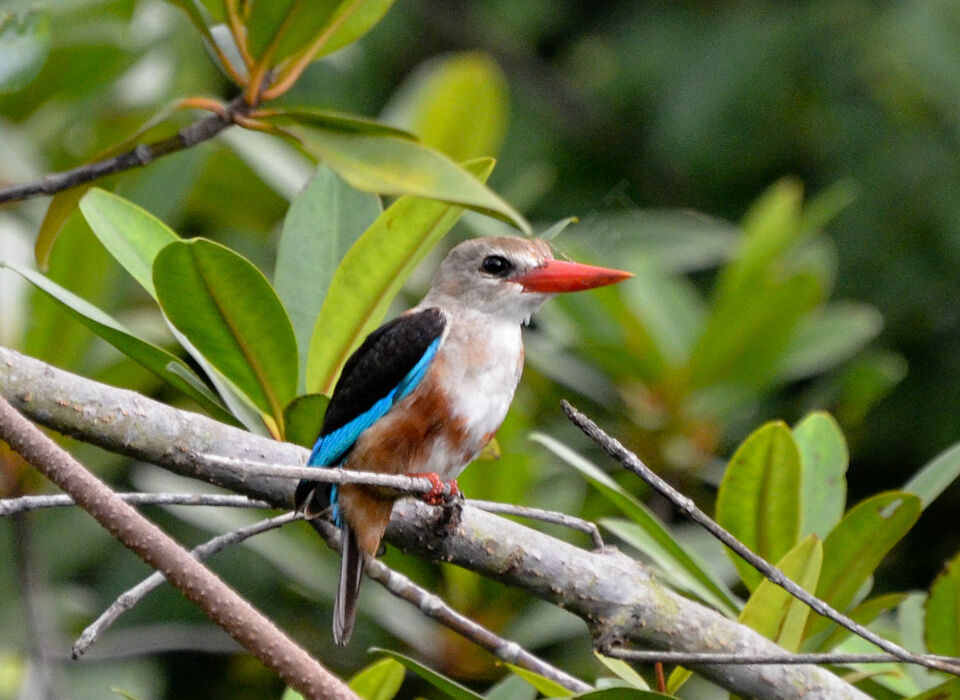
(435, 495)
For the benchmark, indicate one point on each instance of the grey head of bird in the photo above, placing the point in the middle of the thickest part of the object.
(509, 278)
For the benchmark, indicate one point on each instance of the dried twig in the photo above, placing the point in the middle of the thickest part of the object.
(547, 516)
(434, 607)
(633, 463)
(218, 601)
(126, 600)
(25, 504)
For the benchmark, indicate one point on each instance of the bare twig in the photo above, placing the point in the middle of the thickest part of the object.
(547, 516)
(132, 596)
(218, 601)
(683, 658)
(434, 607)
(143, 154)
(633, 463)
(24, 504)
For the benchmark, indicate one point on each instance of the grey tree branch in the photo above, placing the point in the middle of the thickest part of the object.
(126, 600)
(674, 657)
(25, 504)
(615, 449)
(218, 601)
(139, 156)
(612, 593)
(434, 607)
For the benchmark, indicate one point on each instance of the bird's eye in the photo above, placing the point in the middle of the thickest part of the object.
(496, 265)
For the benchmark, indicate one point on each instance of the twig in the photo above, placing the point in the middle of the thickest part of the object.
(139, 156)
(685, 658)
(434, 607)
(547, 516)
(132, 596)
(24, 504)
(633, 463)
(217, 600)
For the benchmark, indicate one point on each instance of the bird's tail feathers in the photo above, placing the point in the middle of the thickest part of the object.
(348, 590)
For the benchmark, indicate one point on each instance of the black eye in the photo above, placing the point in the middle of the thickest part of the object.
(496, 265)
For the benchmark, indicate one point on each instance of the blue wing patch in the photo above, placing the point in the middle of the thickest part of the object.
(330, 450)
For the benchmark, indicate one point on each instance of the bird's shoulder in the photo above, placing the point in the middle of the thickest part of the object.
(382, 362)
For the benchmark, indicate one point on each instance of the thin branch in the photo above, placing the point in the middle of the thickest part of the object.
(25, 504)
(434, 607)
(139, 156)
(633, 463)
(218, 601)
(126, 600)
(682, 658)
(547, 516)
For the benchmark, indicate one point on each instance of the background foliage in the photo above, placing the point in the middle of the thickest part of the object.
(765, 303)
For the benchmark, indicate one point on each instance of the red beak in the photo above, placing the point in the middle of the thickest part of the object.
(561, 276)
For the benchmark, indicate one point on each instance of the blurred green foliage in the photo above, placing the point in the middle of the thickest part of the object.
(617, 113)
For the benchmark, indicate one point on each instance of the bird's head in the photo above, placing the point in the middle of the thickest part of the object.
(510, 277)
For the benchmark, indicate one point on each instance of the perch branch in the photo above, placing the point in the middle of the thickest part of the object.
(633, 463)
(220, 603)
(24, 504)
(614, 594)
(676, 657)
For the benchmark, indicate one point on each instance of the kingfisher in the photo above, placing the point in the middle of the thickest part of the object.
(425, 392)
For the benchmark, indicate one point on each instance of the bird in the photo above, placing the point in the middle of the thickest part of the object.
(425, 392)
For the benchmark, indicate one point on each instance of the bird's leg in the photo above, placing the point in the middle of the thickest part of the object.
(436, 496)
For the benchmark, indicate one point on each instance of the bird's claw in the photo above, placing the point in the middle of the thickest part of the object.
(436, 495)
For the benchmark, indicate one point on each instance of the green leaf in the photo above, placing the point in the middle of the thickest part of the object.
(670, 309)
(381, 680)
(935, 476)
(943, 612)
(512, 688)
(201, 14)
(852, 552)
(772, 611)
(24, 46)
(759, 497)
(648, 535)
(456, 104)
(823, 453)
(437, 680)
(336, 121)
(162, 363)
(397, 166)
(132, 235)
(623, 670)
(864, 614)
(350, 21)
(948, 690)
(824, 341)
(230, 313)
(62, 205)
(556, 229)
(371, 274)
(545, 686)
(621, 694)
(321, 225)
(303, 418)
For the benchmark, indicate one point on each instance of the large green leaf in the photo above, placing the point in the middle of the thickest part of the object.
(948, 690)
(398, 166)
(772, 611)
(381, 680)
(823, 453)
(335, 121)
(303, 418)
(759, 497)
(935, 476)
(132, 235)
(292, 26)
(943, 612)
(437, 680)
(852, 552)
(162, 363)
(230, 313)
(323, 222)
(24, 46)
(371, 274)
(548, 688)
(647, 534)
(456, 104)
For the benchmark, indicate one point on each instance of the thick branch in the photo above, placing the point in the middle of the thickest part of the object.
(614, 594)
(217, 600)
(139, 156)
